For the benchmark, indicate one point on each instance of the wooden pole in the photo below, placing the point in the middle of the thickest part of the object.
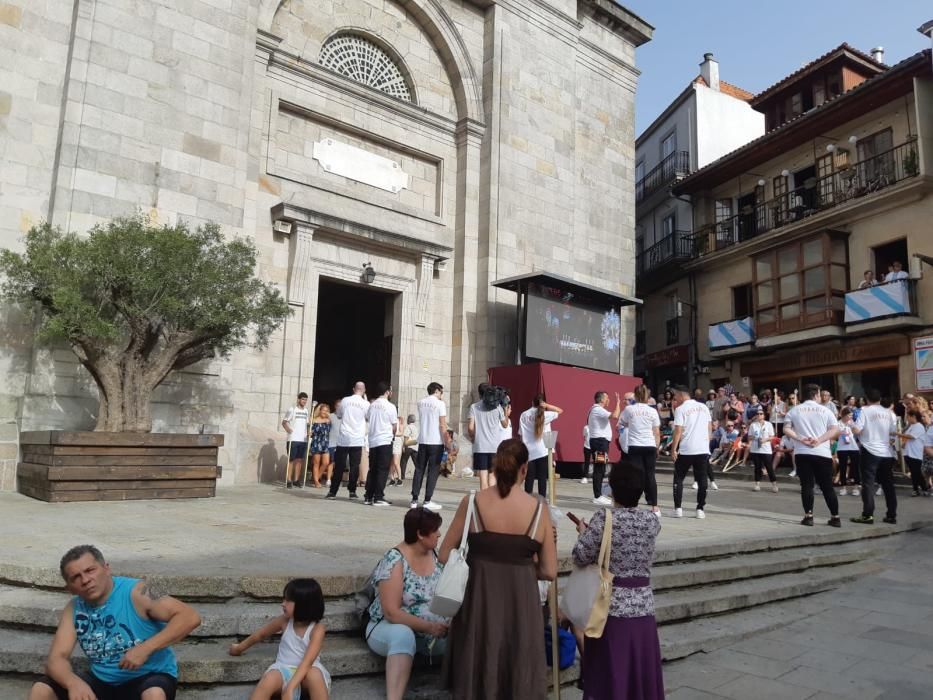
(552, 593)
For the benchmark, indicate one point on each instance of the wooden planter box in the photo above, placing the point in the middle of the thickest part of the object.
(59, 466)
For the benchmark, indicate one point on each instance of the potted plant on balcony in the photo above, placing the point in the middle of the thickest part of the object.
(134, 302)
(911, 164)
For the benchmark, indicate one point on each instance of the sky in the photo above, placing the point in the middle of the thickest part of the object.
(758, 43)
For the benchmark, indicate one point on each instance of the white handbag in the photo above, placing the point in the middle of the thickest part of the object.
(451, 586)
(586, 582)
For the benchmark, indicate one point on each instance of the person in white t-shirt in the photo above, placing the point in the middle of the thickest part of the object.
(351, 438)
(848, 454)
(643, 430)
(382, 418)
(876, 427)
(532, 426)
(485, 428)
(895, 273)
(693, 431)
(812, 426)
(409, 444)
(913, 438)
(600, 434)
(760, 433)
(296, 425)
(432, 437)
(587, 455)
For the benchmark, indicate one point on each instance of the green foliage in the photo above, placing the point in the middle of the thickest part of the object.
(182, 290)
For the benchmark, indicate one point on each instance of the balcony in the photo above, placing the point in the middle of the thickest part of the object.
(817, 195)
(885, 306)
(676, 247)
(731, 335)
(674, 167)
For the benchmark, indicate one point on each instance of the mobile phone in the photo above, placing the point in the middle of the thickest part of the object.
(573, 518)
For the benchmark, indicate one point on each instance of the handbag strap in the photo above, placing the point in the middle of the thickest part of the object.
(466, 523)
(533, 528)
(605, 544)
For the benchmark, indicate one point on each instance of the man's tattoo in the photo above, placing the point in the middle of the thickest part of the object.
(152, 590)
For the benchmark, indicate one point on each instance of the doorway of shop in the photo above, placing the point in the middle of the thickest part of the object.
(355, 326)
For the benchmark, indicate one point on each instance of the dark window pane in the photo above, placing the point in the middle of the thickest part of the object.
(814, 281)
(790, 311)
(790, 286)
(813, 252)
(765, 294)
(787, 260)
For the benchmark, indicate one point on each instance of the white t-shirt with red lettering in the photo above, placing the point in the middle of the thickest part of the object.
(694, 417)
(811, 419)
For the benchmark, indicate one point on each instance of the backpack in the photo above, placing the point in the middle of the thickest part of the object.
(363, 599)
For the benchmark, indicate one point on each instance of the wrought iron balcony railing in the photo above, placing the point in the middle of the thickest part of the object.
(672, 168)
(675, 247)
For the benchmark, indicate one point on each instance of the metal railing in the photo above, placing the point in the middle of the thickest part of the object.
(676, 246)
(673, 167)
(897, 298)
(816, 195)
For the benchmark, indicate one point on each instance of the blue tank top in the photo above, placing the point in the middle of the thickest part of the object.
(107, 631)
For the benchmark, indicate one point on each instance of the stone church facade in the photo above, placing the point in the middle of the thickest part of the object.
(442, 143)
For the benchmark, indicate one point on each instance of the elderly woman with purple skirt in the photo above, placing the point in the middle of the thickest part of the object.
(625, 662)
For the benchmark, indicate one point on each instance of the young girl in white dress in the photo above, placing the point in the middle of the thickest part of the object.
(297, 664)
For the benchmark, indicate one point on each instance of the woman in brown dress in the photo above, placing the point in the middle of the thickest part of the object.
(495, 648)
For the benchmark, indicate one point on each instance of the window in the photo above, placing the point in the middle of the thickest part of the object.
(824, 178)
(796, 105)
(801, 285)
(363, 61)
(819, 92)
(640, 171)
(673, 331)
(834, 84)
(668, 226)
(779, 185)
(724, 222)
(668, 145)
(742, 301)
(876, 160)
(672, 305)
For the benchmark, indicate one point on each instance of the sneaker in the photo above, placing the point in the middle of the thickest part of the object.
(299, 485)
(864, 520)
(331, 496)
(353, 495)
(713, 486)
(915, 494)
(678, 512)
(879, 491)
(694, 486)
(842, 491)
(584, 480)
(381, 503)
(834, 522)
(603, 501)
(367, 502)
(927, 494)
(701, 513)
(288, 484)
(807, 520)
(793, 473)
(657, 513)
(466, 472)
(774, 487)
(414, 504)
(889, 520)
(432, 506)
(855, 492)
(757, 487)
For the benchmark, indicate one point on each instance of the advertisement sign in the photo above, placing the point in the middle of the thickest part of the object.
(923, 361)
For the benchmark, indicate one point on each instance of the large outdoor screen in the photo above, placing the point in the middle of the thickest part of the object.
(566, 328)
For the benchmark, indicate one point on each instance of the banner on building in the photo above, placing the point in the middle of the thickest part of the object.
(731, 333)
(877, 302)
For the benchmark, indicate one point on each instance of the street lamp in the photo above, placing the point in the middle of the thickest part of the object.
(550, 442)
(369, 274)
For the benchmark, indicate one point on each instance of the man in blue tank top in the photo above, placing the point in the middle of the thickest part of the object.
(125, 628)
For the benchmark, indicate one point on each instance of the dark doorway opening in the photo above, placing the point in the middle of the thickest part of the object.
(889, 253)
(353, 340)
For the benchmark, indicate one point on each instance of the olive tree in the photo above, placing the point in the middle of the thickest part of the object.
(135, 301)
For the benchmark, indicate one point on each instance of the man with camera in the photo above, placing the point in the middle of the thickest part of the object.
(488, 418)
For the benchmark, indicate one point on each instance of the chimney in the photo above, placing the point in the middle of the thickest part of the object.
(877, 53)
(709, 70)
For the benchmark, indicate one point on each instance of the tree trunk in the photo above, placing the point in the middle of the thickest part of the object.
(124, 398)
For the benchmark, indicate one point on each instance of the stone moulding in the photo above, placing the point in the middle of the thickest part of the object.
(64, 466)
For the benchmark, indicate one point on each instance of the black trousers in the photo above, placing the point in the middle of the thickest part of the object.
(646, 458)
(762, 462)
(878, 470)
(599, 470)
(916, 473)
(849, 464)
(684, 463)
(587, 460)
(537, 470)
(344, 454)
(815, 469)
(427, 462)
(408, 453)
(380, 458)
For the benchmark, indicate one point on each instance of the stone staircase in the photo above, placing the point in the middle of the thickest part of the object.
(707, 597)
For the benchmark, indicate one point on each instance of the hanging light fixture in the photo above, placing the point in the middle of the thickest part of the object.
(369, 274)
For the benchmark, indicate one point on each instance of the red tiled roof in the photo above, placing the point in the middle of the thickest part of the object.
(839, 50)
(728, 89)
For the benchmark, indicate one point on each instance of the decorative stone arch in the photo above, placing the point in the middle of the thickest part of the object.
(447, 42)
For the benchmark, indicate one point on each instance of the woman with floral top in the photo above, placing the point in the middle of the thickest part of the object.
(401, 622)
(625, 662)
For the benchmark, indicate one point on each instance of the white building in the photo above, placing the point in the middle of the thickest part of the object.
(708, 119)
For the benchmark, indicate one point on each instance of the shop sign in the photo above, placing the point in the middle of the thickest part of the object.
(676, 355)
(838, 355)
(923, 361)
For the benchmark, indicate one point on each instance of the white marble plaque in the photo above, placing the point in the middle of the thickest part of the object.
(360, 165)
